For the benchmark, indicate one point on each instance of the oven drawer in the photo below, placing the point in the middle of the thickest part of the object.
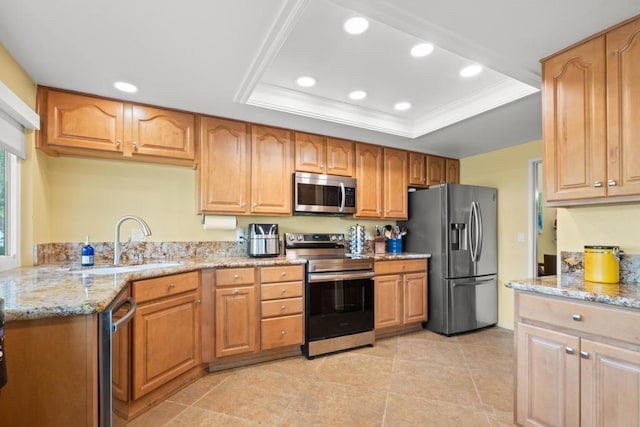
(282, 331)
(281, 290)
(235, 276)
(593, 318)
(400, 266)
(282, 307)
(282, 273)
(160, 287)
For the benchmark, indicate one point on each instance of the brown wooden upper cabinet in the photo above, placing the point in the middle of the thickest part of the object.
(417, 169)
(224, 175)
(86, 125)
(436, 172)
(453, 170)
(396, 186)
(271, 170)
(324, 155)
(369, 176)
(591, 96)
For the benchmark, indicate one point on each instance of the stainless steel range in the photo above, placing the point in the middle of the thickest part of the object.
(338, 293)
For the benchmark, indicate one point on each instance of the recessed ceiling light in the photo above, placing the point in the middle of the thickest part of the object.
(422, 49)
(471, 70)
(356, 25)
(306, 81)
(125, 87)
(358, 94)
(402, 106)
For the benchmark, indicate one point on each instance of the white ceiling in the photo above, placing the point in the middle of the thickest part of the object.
(233, 58)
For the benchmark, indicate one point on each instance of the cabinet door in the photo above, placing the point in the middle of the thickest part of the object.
(417, 169)
(548, 372)
(224, 169)
(310, 153)
(77, 121)
(166, 341)
(395, 184)
(436, 173)
(414, 297)
(388, 301)
(236, 321)
(610, 385)
(452, 167)
(340, 157)
(271, 157)
(369, 176)
(162, 133)
(623, 104)
(574, 123)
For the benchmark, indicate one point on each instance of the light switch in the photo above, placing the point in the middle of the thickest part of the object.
(520, 237)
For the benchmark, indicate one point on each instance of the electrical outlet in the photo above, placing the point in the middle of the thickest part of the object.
(520, 237)
(137, 235)
(239, 234)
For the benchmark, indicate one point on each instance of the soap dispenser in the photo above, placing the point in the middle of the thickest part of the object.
(87, 254)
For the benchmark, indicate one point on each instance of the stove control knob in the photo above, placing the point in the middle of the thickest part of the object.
(291, 237)
(299, 237)
(333, 238)
(340, 237)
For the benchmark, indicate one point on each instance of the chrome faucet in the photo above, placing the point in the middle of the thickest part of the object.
(116, 238)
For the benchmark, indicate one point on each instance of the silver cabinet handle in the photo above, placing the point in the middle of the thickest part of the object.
(118, 142)
(283, 290)
(235, 276)
(172, 285)
(255, 204)
(584, 354)
(198, 301)
(243, 204)
(282, 332)
(283, 306)
(135, 145)
(597, 184)
(236, 291)
(612, 183)
(321, 166)
(577, 317)
(569, 350)
(284, 273)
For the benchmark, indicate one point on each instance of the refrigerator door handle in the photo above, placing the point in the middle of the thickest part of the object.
(472, 232)
(479, 231)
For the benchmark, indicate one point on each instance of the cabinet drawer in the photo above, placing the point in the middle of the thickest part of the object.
(160, 287)
(592, 318)
(235, 276)
(281, 331)
(282, 307)
(281, 290)
(282, 273)
(400, 266)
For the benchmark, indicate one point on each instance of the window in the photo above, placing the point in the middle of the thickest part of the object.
(9, 208)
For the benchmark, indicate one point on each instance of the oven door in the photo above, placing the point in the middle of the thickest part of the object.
(338, 304)
(315, 193)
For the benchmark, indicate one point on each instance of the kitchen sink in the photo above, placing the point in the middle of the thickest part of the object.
(112, 269)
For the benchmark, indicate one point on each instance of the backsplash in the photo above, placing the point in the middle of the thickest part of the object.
(70, 253)
(573, 262)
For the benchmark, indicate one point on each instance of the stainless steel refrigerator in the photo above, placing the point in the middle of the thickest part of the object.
(457, 225)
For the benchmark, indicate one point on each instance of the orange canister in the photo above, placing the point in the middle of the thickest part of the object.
(602, 264)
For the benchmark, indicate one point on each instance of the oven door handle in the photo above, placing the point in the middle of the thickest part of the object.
(128, 315)
(332, 277)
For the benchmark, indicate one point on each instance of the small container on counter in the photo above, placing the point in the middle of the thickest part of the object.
(394, 245)
(602, 264)
(87, 254)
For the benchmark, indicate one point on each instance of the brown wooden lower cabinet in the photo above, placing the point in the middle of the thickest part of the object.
(401, 293)
(236, 321)
(577, 363)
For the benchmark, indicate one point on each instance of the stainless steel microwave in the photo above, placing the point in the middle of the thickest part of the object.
(328, 194)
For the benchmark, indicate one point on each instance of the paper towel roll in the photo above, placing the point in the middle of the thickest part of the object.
(219, 222)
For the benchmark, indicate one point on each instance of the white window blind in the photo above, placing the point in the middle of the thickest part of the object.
(15, 116)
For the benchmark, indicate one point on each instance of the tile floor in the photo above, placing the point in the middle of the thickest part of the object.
(418, 379)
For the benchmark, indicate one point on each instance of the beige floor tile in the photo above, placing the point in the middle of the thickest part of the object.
(158, 415)
(330, 404)
(413, 411)
(298, 366)
(196, 417)
(436, 351)
(254, 394)
(193, 392)
(434, 381)
(385, 347)
(501, 419)
(352, 368)
(495, 388)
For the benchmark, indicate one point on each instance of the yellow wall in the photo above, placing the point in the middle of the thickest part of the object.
(506, 170)
(616, 225)
(34, 221)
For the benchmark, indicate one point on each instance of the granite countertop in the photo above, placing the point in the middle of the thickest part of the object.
(573, 285)
(60, 290)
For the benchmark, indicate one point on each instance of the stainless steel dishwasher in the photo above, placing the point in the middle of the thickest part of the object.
(113, 319)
